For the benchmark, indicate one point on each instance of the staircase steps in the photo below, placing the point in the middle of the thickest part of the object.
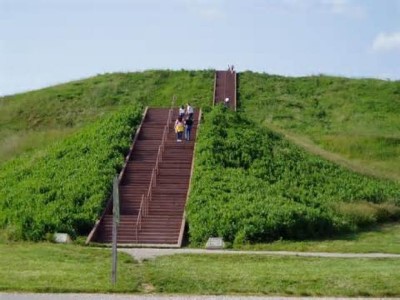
(163, 224)
(225, 87)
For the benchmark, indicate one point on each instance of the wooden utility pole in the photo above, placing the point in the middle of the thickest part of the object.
(114, 230)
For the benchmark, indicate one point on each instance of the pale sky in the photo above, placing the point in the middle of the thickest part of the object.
(46, 42)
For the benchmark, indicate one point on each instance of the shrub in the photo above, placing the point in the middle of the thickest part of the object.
(251, 185)
(64, 186)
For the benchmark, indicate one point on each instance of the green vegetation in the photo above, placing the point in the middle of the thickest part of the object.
(61, 146)
(31, 120)
(244, 274)
(64, 187)
(251, 185)
(56, 162)
(356, 118)
(45, 267)
(380, 239)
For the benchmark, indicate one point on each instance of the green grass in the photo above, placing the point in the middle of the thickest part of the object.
(356, 118)
(14, 143)
(45, 267)
(295, 276)
(380, 239)
(252, 185)
(35, 119)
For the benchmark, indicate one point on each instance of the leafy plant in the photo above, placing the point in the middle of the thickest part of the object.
(251, 185)
(64, 186)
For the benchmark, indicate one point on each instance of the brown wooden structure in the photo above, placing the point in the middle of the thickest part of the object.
(225, 87)
(153, 186)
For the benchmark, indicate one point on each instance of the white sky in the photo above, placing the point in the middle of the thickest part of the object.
(48, 42)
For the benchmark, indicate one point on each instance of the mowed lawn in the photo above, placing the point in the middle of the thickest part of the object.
(274, 275)
(45, 267)
(380, 239)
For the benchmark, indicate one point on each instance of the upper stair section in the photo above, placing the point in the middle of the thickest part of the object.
(225, 87)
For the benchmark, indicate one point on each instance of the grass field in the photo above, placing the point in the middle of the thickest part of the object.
(380, 239)
(224, 274)
(34, 119)
(44, 267)
(355, 118)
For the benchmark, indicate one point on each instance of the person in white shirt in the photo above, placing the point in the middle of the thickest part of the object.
(189, 111)
(226, 102)
(181, 111)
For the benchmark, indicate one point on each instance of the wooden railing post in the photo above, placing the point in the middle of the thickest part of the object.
(226, 85)
(139, 219)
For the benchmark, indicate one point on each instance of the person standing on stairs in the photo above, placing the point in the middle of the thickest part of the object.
(179, 128)
(181, 111)
(226, 102)
(189, 110)
(188, 127)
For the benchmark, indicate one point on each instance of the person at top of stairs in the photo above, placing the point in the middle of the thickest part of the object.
(226, 102)
(179, 128)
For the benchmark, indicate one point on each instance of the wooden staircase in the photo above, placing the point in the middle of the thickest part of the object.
(153, 185)
(225, 87)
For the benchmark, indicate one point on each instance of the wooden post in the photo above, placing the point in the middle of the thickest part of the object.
(114, 230)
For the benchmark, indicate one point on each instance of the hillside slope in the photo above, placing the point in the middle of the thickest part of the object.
(252, 185)
(63, 187)
(34, 119)
(357, 119)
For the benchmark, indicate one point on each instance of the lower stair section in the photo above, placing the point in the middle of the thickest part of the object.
(126, 229)
(163, 220)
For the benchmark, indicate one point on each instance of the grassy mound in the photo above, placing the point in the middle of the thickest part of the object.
(30, 120)
(64, 186)
(252, 185)
(355, 118)
(61, 146)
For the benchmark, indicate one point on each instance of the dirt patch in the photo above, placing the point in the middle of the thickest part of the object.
(148, 288)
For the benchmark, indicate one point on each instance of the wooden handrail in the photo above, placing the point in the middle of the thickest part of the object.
(144, 204)
(139, 220)
(225, 86)
(215, 86)
(181, 232)
(93, 232)
(235, 99)
(169, 119)
(173, 101)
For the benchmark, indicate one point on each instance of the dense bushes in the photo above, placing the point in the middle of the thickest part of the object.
(64, 187)
(252, 185)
